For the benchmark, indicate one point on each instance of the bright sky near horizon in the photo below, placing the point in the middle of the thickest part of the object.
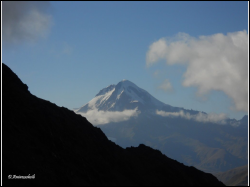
(187, 54)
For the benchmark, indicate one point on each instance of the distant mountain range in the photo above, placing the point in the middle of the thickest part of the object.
(128, 96)
(55, 146)
(129, 115)
(234, 177)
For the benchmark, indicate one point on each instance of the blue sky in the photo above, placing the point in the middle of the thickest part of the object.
(67, 51)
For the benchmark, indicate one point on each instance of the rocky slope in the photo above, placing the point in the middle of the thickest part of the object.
(60, 147)
(234, 177)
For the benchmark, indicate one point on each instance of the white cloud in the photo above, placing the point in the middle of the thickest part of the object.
(166, 86)
(24, 21)
(156, 51)
(216, 62)
(200, 117)
(103, 117)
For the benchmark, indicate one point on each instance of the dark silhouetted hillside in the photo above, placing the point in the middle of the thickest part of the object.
(63, 148)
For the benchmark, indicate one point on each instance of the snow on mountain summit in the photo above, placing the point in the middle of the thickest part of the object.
(123, 96)
(125, 100)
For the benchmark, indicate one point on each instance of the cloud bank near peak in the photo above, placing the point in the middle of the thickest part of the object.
(216, 62)
(24, 21)
(103, 117)
(200, 117)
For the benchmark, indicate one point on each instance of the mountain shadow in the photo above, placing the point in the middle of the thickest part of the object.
(59, 147)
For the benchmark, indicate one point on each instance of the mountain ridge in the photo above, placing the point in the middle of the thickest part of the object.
(126, 95)
(212, 143)
(234, 177)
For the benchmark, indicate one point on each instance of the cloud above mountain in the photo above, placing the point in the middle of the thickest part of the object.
(103, 117)
(25, 21)
(200, 117)
(216, 62)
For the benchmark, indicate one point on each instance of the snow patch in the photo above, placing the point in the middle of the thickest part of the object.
(135, 101)
(98, 100)
(118, 96)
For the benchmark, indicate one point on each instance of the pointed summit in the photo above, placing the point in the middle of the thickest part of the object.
(126, 83)
(123, 96)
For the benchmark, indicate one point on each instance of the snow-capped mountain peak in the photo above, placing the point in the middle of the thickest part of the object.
(124, 95)
(132, 100)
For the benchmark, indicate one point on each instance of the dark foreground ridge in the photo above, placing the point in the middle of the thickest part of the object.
(59, 147)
